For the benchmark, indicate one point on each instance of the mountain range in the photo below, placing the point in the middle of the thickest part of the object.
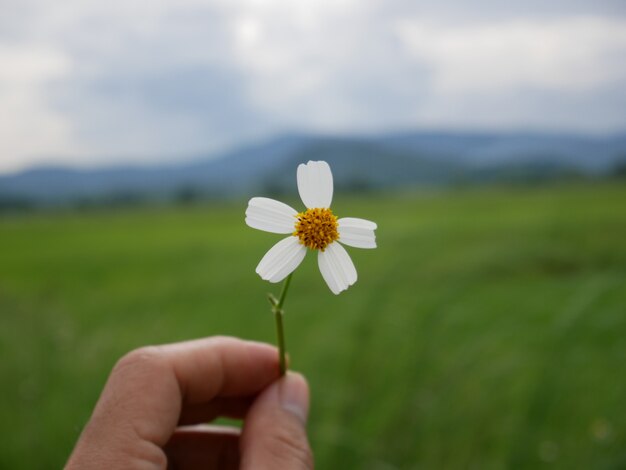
(412, 159)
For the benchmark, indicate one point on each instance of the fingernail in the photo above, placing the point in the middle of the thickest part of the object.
(294, 395)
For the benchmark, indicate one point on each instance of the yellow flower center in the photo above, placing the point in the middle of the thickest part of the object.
(317, 228)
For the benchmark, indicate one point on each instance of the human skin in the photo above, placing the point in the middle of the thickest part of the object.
(151, 410)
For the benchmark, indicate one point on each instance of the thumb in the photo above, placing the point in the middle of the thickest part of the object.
(274, 434)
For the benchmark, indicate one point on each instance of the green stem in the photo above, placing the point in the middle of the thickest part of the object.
(278, 315)
(277, 308)
(283, 293)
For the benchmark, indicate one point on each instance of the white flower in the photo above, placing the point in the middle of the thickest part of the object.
(317, 228)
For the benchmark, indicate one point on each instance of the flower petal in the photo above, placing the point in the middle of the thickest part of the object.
(281, 260)
(315, 184)
(270, 215)
(337, 268)
(357, 232)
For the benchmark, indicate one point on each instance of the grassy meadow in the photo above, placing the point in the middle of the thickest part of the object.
(487, 331)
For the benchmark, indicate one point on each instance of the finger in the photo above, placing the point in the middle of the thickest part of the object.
(221, 366)
(147, 388)
(226, 407)
(274, 433)
(203, 447)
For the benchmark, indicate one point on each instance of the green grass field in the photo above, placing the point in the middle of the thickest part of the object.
(487, 331)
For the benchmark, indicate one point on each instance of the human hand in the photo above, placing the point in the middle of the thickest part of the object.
(142, 419)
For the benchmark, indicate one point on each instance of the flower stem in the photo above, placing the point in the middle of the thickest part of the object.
(277, 308)
(283, 293)
(278, 315)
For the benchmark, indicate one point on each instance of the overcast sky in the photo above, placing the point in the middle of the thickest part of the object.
(102, 82)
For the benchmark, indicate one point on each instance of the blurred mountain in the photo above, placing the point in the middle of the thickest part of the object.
(586, 153)
(359, 163)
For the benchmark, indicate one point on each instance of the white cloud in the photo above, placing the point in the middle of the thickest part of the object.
(565, 55)
(95, 82)
(326, 66)
(29, 129)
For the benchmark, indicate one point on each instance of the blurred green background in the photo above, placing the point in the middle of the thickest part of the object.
(488, 330)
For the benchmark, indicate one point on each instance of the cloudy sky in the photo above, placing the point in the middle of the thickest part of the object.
(103, 82)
